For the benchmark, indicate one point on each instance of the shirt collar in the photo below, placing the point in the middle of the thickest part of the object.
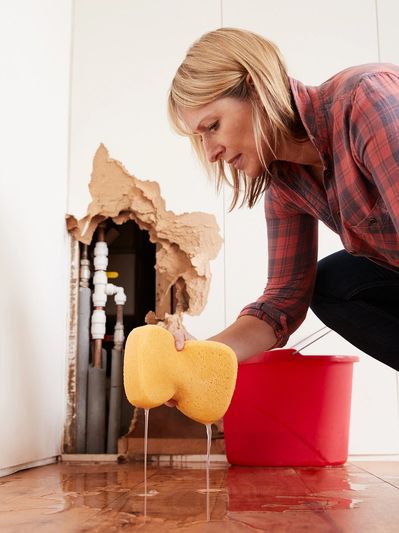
(310, 107)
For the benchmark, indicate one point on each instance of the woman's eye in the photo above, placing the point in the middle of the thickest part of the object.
(214, 126)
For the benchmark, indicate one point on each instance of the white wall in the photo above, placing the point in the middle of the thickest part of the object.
(125, 54)
(34, 94)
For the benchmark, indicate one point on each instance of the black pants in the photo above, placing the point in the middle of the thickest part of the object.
(360, 300)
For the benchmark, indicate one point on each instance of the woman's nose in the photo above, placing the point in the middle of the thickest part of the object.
(213, 151)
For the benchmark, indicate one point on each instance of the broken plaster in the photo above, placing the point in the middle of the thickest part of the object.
(185, 243)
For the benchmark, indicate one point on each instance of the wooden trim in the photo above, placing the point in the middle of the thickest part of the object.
(135, 446)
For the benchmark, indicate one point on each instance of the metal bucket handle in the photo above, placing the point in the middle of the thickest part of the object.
(298, 346)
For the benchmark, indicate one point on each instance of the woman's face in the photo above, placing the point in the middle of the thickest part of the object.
(225, 127)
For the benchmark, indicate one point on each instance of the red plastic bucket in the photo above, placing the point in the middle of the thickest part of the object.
(290, 410)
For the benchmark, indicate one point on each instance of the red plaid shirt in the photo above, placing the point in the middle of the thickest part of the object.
(353, 121)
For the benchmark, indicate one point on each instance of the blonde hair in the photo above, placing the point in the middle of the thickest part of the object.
(220, 64)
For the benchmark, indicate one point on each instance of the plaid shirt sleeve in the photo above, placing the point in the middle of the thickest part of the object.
(292, 260)
(375, 137)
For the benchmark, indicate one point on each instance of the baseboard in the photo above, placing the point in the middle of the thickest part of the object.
(7, 471)
(183, 459)
(134, 446)
(376, 457)
(89, 457)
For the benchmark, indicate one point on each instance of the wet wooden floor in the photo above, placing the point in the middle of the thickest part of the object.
(356, 498)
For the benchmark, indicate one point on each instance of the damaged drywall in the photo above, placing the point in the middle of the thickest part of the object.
(185, 243)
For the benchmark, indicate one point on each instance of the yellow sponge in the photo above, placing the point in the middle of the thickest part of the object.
(200, 378)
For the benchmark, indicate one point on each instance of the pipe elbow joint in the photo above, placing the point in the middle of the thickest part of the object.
(120, 296)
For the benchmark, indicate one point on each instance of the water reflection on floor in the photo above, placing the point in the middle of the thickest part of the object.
(358, 497)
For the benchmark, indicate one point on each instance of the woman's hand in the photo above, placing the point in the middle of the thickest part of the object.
(181, 335)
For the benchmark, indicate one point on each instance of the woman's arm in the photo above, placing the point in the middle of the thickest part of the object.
(292, 262)
(247, 336)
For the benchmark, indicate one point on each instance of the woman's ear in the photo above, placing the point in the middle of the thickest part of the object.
(249, 81)
(250, 88)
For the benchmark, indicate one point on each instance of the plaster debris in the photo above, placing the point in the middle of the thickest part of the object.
(172, 323)
(185, 243)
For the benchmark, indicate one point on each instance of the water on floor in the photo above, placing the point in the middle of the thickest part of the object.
(108, 498)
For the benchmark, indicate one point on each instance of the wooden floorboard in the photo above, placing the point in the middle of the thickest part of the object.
(359, 497)
(387, 471)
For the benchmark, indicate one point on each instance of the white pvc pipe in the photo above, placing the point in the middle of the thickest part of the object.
(97, 372)
(102, 289)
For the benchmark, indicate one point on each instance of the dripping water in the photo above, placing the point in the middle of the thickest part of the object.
(208, 490)
(151, 492)
(208, 460)
(146, 413)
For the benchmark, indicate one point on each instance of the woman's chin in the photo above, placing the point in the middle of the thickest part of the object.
(254, 175)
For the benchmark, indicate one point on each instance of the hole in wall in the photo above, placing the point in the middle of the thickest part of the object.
(185, 243)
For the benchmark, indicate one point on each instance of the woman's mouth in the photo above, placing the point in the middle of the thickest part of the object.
(236, 161)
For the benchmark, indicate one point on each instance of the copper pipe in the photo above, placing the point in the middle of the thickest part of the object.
(101, 232)
(119, 313)
(97, 353)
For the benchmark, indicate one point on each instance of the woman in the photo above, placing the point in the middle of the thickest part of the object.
(328, 153)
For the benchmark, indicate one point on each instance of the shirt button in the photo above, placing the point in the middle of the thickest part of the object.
(372, 221)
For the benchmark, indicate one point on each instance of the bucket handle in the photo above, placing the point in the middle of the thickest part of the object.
(298, 346)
